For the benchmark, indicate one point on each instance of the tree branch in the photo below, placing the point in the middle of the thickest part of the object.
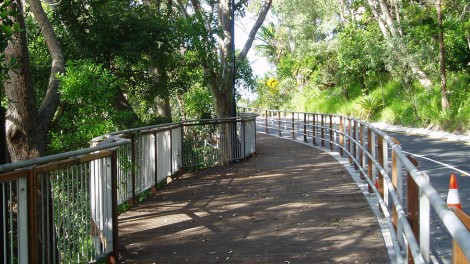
(51, 99)
(256, 26)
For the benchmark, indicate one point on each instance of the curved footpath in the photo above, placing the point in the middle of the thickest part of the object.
(291, 203)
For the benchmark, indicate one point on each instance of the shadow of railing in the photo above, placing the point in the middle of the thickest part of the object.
(63, 208)
(404, 193)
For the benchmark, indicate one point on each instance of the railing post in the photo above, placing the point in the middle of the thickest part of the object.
(182, 147)
(361, 144)
(154, 189)
(341, 136)
(314, 131)
(3, 160)
(279, 122)
(322, 134)
(244, 137)
(331, 132)
(171, 151)
(412, 206)
(380, 159)
(134, 169)
(397, 180)
(285, 121)
(354, 147)
(305, 127)
(370, 148)
(458, 256)
(424, 224)
(28, 219)
(114, 208)
(293, 125)
(27, 228)
(266, 123)
(348, 139)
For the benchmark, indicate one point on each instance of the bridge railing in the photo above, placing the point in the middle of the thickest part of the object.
(404, 193)
(63, 208)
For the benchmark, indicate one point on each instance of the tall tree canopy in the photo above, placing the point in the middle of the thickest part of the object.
(215, 45)
(324, 50)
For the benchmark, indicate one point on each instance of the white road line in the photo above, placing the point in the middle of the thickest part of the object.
(462, 173)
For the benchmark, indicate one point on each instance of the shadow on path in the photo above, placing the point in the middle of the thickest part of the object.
(291, 203)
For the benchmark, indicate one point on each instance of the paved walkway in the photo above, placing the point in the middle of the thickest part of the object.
(290, 204)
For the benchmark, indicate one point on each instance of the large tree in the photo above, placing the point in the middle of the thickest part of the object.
(387, 15)
(214, 18)
(27, 124)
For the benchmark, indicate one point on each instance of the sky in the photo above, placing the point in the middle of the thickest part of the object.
(242, 28)
(259, 64)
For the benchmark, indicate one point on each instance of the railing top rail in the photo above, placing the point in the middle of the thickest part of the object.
(168, 126)
(116, 142)
(113, 140)
(456, 228)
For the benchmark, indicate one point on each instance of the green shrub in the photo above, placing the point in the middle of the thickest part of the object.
(369, 106)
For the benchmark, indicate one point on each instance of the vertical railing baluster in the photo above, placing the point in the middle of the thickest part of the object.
(412, 206)
(370, 149)
(293, 125)
(244, 137)
(331, 132)
(305, 127)
(397, 180)
(155, 163)
(171, 152)
(266, 123)
(424, 224)
(373, 141)
(314, 130)
(348, 139)
(12, 227)
(114, 209)
(359, 148)
(133, 170)
(322, 129)
(279, 122)
(341, 136)
(27, 219)
(354, 145)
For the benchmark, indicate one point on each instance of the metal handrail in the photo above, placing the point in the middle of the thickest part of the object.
(91, 183)
(420, 253)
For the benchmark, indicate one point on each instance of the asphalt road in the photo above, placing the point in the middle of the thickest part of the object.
(439, 159)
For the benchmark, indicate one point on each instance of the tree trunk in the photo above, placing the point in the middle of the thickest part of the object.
(27, 126)
(381, 12)
(121, 104)
(182, 106)
(51, 100)
(163, 107)
(343, 12)
(442, 58)
(220, 78)
(25, 139)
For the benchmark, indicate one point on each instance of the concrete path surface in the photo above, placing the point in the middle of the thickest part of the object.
(291, 203)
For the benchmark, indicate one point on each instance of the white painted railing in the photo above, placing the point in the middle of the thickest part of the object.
(63, 208)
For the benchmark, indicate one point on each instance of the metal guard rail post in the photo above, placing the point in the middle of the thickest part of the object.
(67, 204)
(358, 151)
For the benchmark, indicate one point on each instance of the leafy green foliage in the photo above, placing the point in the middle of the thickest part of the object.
(7, 29)
(198, 103)
(88, 93)
(350, 67)
(369, 106)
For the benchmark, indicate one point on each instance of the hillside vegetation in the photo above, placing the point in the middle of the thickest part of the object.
(412, 68)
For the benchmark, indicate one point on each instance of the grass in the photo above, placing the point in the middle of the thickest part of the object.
(393, 102)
